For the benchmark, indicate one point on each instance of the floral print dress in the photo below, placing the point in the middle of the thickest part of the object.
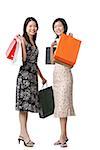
(27, 82)
(63, 87)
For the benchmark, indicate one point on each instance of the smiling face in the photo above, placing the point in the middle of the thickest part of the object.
(58, 28)
(31, 28)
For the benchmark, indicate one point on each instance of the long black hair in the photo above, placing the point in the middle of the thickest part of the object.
(25, 35)
(64, 24)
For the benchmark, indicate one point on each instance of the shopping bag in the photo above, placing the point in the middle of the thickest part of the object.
(11, 49)
(14, 52)
(67, 50)
(18, 54)
(48, 60)
(46, 100)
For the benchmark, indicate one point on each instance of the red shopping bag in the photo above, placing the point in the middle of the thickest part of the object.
(11, 49)
(14, 52)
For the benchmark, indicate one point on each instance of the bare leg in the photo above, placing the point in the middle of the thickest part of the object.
(63, 123)
(23, 116)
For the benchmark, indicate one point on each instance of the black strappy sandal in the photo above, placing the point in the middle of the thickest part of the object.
(29, 143)
(63, 145)
(20, 139)
(59, 143)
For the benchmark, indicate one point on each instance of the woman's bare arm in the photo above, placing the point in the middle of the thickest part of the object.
(23, 44)
(41, 76)
(51, 52)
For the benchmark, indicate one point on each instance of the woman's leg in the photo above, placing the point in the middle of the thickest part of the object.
(23, 116)
(63, 124)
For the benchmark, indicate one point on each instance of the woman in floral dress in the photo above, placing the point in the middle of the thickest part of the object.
(27, 80)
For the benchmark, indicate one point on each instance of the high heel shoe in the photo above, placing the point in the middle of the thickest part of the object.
(29, 143)
(59, 143)
(20, 139)
(63, 144)
(66, 139)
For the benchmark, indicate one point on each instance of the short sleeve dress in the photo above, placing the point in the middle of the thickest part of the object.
(27, 82)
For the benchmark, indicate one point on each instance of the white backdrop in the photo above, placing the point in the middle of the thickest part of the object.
(83, 21)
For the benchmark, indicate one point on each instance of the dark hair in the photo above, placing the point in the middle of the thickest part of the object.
(25, 35)
(63, 22)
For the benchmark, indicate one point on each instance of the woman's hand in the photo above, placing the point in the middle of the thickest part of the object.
(44, 81)
(41, 76)
(71, 34)
(20, 38)
(53, 44)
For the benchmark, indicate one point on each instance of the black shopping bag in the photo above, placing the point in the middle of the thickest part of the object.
(46, 100)
(47, 60)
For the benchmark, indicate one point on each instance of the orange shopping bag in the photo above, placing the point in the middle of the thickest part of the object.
(67, 50)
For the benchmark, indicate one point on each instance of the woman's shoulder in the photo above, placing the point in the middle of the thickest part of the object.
(23, 40)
